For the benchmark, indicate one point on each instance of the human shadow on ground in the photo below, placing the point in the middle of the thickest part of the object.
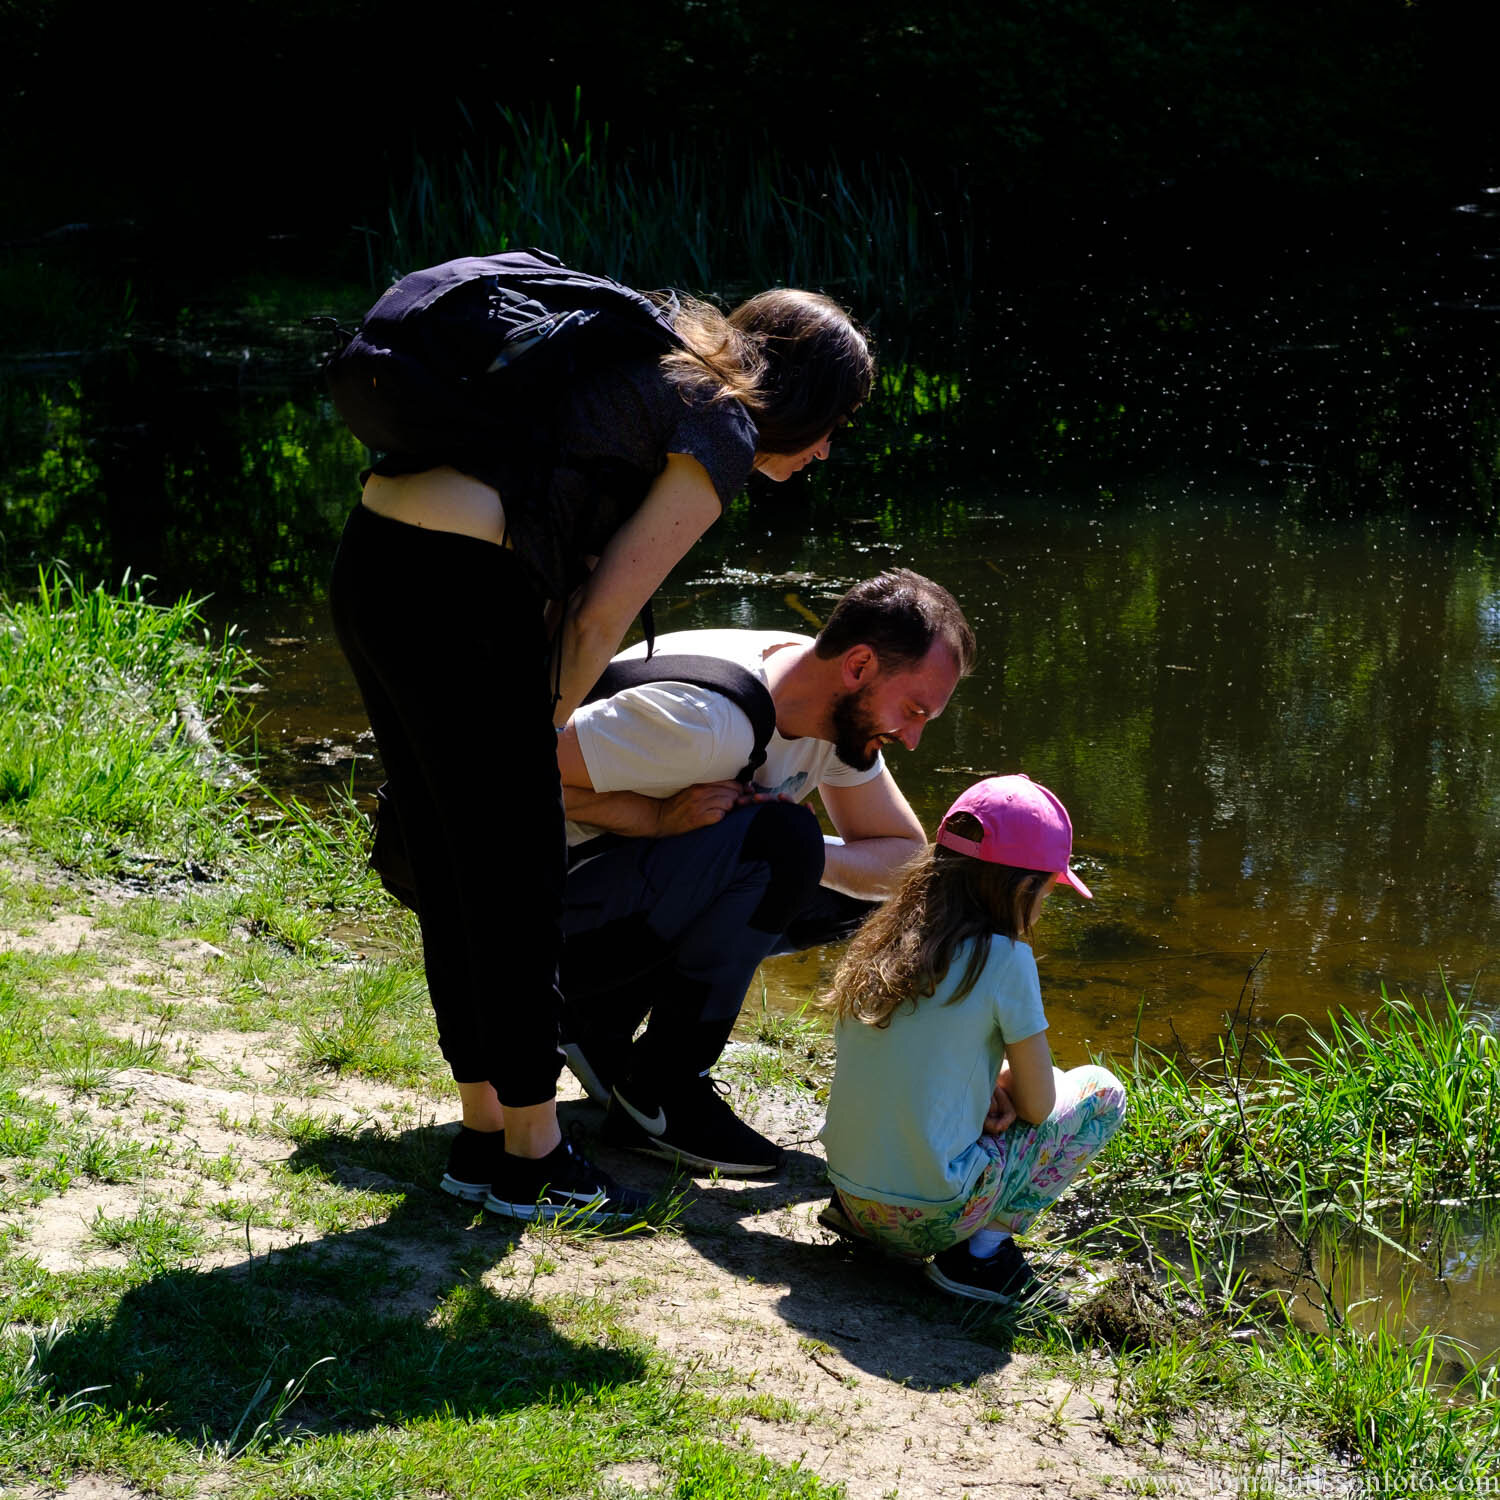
(879, 1313)
(400, 1306)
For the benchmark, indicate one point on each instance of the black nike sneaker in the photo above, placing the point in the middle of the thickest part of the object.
(563, 1185)
(473, 1160)
(692, 1124)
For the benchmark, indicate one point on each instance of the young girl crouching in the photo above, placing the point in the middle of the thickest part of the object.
(948, 1128)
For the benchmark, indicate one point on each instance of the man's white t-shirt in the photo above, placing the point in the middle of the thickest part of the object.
(664, 736)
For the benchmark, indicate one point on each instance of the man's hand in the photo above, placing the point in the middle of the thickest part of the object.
(697, 806)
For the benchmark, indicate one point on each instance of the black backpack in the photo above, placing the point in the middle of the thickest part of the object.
(388, 856)
(471, 358)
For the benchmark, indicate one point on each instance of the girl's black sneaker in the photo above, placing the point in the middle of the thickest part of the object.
(473, 1160)
(1004, 1278)
(563, 1185)
(832, 1216)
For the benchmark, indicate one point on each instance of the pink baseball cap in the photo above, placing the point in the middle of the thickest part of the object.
(1024, 825)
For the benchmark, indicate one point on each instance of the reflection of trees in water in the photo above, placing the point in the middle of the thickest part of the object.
(1296, 723)
(142, 461)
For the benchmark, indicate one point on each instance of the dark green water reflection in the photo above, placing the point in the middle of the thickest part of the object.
(1272, 735)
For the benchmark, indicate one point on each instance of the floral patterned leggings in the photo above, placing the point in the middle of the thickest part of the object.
(1029, 1167)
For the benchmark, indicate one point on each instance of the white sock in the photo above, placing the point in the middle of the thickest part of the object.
(983, 1243)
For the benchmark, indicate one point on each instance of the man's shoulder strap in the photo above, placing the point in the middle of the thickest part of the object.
(727, 678)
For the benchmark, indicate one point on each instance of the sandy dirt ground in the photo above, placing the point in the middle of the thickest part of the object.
(864, 1372)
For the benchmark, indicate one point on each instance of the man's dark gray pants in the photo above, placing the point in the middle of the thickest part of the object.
(678, 925)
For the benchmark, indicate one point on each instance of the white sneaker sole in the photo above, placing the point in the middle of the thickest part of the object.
(973, 1293)
(630, 1128)
(591, 1214)
(465, 1192)
(688, 1159)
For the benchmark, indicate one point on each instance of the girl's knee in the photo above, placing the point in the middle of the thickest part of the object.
(1105, 1091)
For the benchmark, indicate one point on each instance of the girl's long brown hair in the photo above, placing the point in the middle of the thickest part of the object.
(907, 945)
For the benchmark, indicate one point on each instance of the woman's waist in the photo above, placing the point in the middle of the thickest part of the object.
(441, 499)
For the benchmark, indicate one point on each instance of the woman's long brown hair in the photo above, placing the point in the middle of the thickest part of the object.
(907, 945)
(795, 360)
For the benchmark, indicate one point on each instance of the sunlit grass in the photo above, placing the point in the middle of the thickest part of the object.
(374, 1021)
(105, 704)
(1386, 1116)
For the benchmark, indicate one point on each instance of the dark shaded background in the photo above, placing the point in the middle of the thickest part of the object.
(212, 130)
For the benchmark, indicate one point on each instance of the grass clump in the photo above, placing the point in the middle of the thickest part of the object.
(374, 1021)
(1372, 1119)
(1384, 1402)
(105, 759)
(156, 1233)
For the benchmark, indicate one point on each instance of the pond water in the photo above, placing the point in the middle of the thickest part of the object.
(1274, 736)
(1270, 702)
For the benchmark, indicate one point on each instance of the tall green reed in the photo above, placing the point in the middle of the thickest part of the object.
(687, 211)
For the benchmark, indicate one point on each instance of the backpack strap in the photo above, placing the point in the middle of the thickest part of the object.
(727, 678)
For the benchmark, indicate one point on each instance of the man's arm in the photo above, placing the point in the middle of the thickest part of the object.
(880, 833)
(634, 814)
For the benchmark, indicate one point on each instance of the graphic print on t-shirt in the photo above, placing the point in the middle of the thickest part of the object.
(791, 786)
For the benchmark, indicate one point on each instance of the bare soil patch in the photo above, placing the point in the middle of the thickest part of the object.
(844, 1362)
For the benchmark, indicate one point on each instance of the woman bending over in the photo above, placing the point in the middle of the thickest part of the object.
(505, 540)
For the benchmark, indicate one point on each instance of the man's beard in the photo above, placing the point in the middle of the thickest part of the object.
(855, 731)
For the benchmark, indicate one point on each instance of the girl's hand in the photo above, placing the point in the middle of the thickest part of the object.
(1002, 1113)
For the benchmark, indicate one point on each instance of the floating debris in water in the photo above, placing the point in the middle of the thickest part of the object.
(749, 578)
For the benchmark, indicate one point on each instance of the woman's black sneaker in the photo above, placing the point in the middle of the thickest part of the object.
(692, 1124)
(563, 1185)
(1004, 1278)
(473, 1160)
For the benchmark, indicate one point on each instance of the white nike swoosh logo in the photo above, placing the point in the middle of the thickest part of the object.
(652, 1124)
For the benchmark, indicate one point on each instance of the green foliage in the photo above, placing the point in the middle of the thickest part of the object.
(1397, 1113)
(103, 699)
(676, 212)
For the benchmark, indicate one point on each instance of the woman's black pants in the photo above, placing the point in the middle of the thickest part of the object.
(446, 639)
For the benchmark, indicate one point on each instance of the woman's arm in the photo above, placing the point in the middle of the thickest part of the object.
(679, 507)
(1028, 1078)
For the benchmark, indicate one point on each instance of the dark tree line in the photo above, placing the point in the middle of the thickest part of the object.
(253, 117)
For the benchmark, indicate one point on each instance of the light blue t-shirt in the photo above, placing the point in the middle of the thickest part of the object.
(908, 1101)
